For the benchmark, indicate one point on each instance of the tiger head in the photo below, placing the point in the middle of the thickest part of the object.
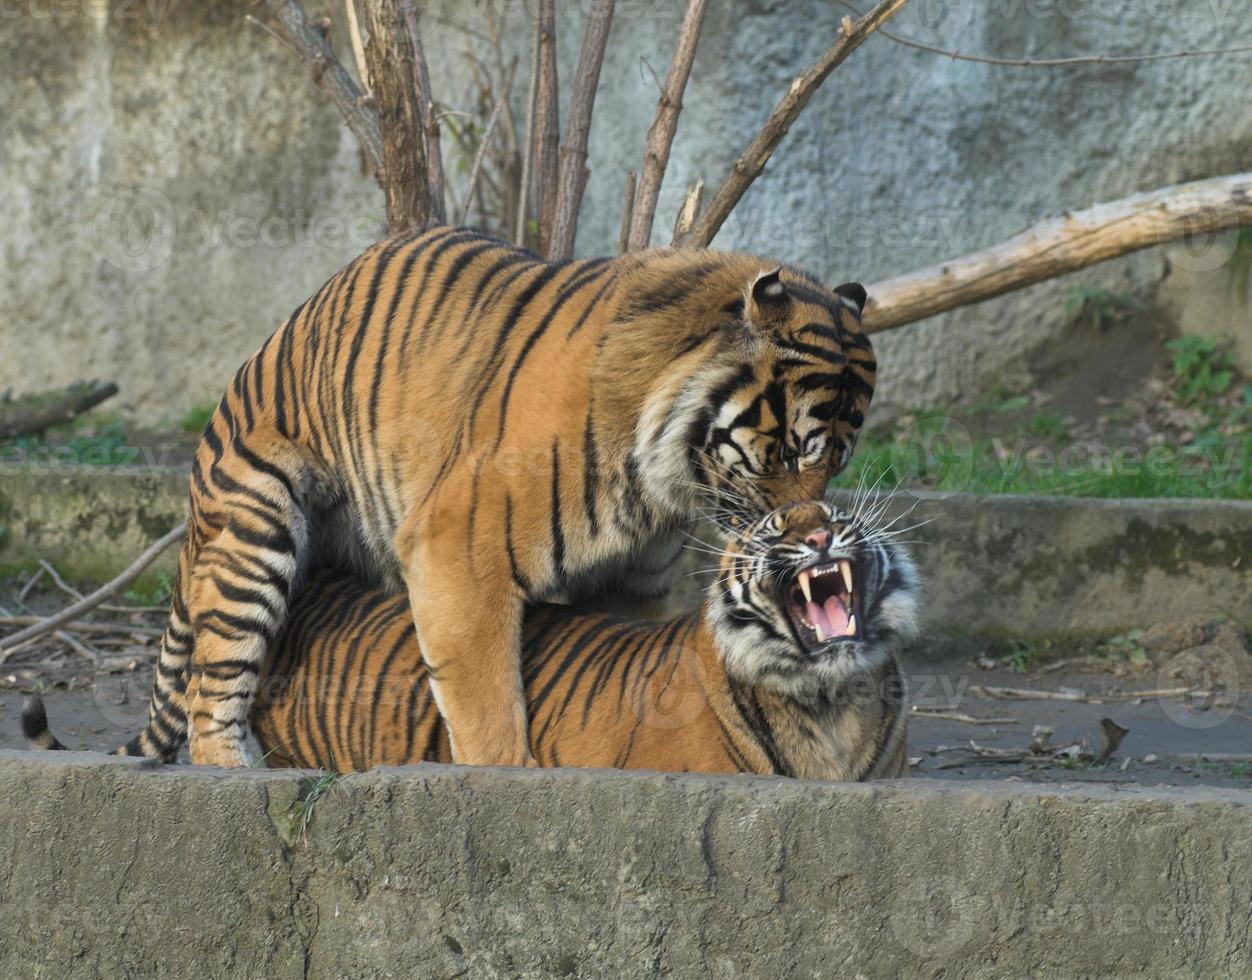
(810, 595)
(775, 414)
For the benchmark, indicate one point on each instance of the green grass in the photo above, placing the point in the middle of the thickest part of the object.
(315, 790)
(84, 442)
(197, 417)
(1036, 456)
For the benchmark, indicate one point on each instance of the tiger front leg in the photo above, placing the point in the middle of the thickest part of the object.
(469, 620)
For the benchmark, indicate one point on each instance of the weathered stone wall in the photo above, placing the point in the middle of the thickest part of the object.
(114, 868)
(994, 567)
(172, 185)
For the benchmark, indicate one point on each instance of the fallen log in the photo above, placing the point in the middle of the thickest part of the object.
(33, 414)
(1056, 246)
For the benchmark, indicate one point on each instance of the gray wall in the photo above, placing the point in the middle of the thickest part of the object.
(181, 115)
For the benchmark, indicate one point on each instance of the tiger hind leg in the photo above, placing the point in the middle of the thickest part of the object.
(241, 585)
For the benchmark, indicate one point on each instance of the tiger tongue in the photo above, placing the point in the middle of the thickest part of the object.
(831, 618)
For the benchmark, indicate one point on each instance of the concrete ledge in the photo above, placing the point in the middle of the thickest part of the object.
(995, 567)
(118, 868)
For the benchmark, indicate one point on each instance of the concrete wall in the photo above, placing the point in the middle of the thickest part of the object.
(995, 567)
(117, 869)
(171, 184)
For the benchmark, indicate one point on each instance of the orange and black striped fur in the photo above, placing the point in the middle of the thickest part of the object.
(743, 685)
(451, 415)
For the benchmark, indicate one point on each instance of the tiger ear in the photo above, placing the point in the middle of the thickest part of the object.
(854, 293)
(768, 297)
(768, 289)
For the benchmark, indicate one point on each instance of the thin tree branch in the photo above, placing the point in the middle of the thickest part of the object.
(358, 48)
(664, 126)
(430, 120)
(572, 178)
(1090, 59)
(1057, 246)
(528, 158)
(546, 136)
(478, 160)
(330, 76)
(628, 206)
(106, 591)
(753, 159)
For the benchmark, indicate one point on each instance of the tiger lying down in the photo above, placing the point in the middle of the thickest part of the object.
(788, 668)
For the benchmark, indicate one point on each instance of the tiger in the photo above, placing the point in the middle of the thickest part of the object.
(789, 668)
(453, 417)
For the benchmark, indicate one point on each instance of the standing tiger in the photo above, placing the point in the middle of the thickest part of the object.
(788, 668)
(453, 415)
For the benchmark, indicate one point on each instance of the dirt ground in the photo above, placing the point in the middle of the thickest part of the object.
(970, 718)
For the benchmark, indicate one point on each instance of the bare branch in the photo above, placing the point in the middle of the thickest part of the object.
(392, 65)
(546, 134)
(32, 414)
(628, 207)
(753, 159)
(331, 76)
(478, 160)
(1059, 245)
(661, 135)
(572, 179)
(358, 49)
(430, 120)
(1087, 59)
(53, 623)
(528, 158)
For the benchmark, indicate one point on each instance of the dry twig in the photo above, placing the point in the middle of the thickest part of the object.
(753, 159)
(572, 177)
(545, 136)
(664, 126)
(52, 623)
(330, 76)
(32, 414)
(623, 235)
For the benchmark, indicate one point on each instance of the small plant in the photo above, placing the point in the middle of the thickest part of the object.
(1022, 658)
(197, 417)
(314, 791)
(1202, 368)
(1240, 769)
(1097, 307)
(1048, 425)
(157, 594)
(1126, 648)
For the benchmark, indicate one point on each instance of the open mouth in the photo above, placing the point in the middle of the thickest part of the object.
(822, 602)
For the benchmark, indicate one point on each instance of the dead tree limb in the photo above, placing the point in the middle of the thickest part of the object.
(753, 159)
(628, 207)
(430, 118)
(392, 64)
(1056, 246)
(545, 136)
(330, 76)
(471, 182)
(572, 177)
(106, 591)
(33, 414)
(664, 126)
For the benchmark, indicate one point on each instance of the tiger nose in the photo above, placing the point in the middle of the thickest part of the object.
(818, 540)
